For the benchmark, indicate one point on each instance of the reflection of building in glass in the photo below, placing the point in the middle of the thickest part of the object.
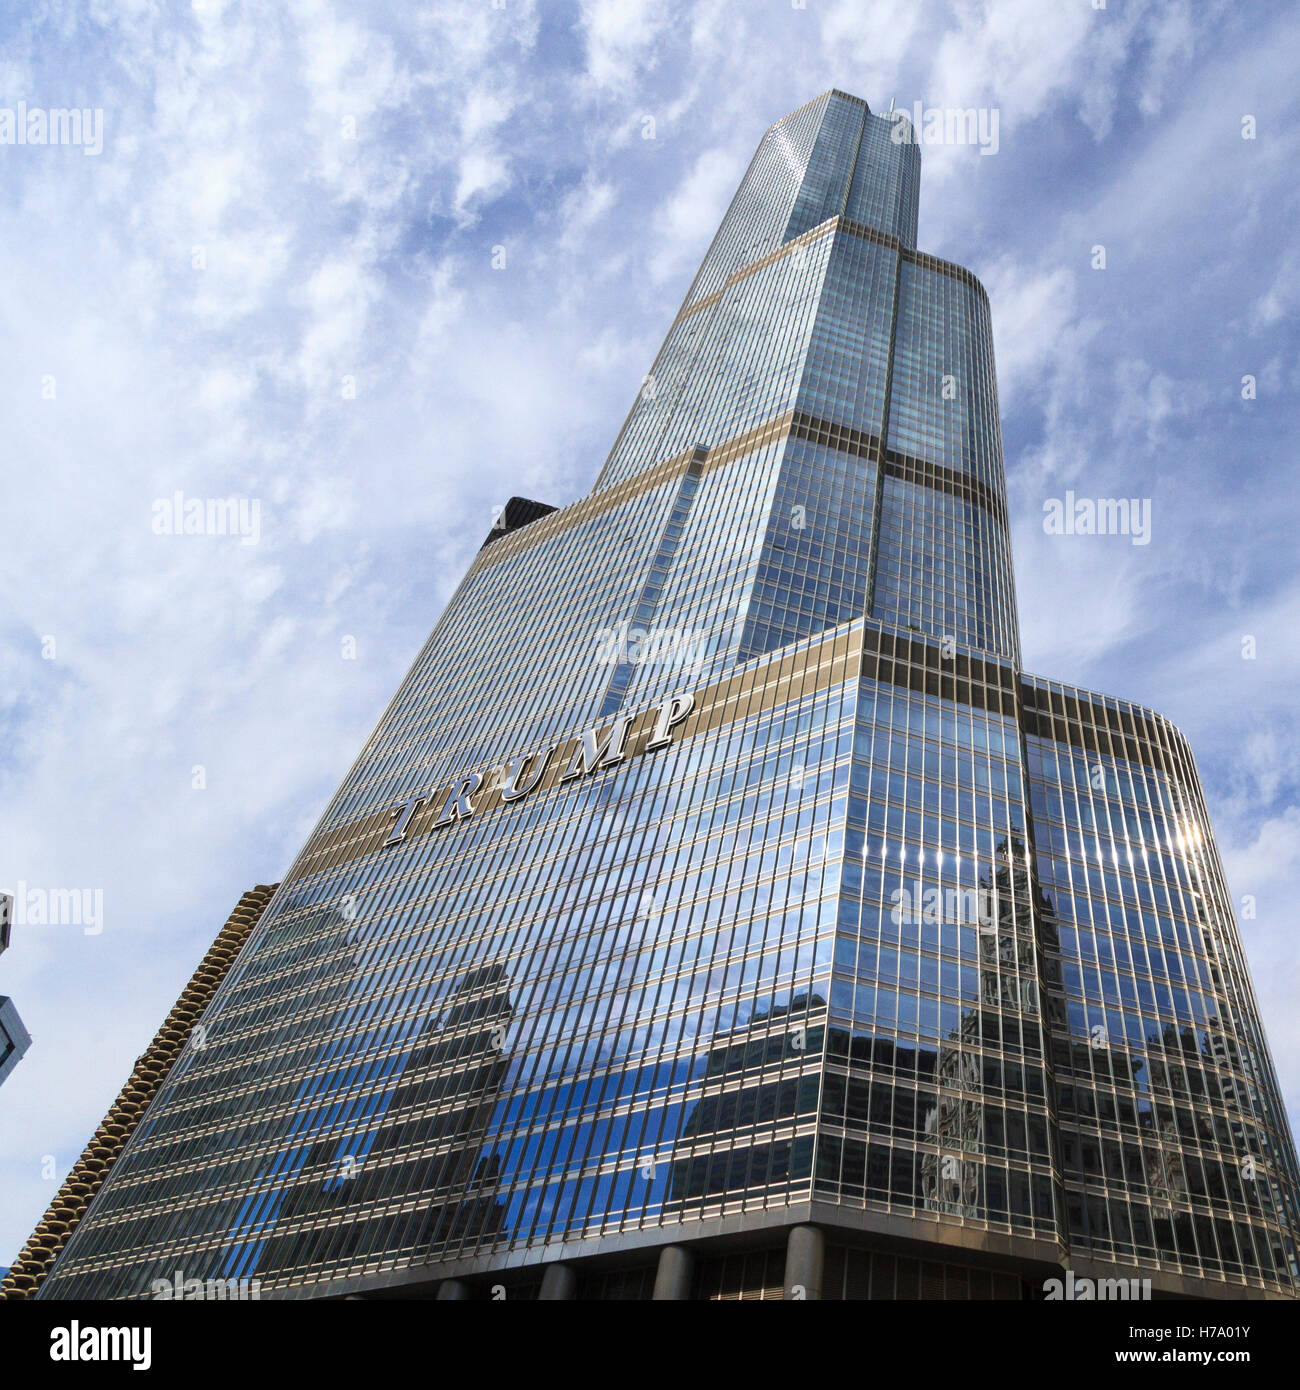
(752, 1128)
(588, 894)
(1175, 1150)
(950, 1175)
(437, 1109)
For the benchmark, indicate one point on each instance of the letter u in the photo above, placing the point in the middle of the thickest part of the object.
(510, 788)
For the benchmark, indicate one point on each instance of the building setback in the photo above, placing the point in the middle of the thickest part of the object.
(718, 909)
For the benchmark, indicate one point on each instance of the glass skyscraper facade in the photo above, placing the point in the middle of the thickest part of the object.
(718, 909)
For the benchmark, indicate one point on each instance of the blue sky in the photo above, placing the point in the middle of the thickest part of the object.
(291, 197)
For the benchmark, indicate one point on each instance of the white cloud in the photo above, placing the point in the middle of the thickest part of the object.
(688, 219)
(1282, 297)
(870, 43)
(1266, 871)
(620, 36)
(1171, 44)
(584, 208)
(1037, 330)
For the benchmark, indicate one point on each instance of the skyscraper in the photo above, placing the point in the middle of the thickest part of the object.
(718, 909)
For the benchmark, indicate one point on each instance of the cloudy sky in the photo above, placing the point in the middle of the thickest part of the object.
(277, 282)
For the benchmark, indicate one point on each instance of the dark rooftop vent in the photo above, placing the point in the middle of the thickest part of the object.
(519, 511)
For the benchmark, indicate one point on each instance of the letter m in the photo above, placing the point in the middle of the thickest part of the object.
(592, 752)
(223, 516)
(1112, 516)
(65, 907)
(65, 127)
(115, 1344)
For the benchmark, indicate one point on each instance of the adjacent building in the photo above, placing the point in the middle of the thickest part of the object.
(719, 910)
(180, 1031)
(14, 1037)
